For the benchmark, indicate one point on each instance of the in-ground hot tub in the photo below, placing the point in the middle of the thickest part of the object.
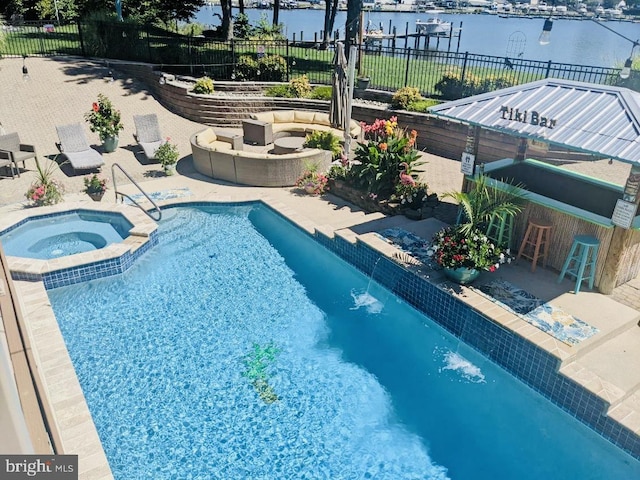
(51, 236)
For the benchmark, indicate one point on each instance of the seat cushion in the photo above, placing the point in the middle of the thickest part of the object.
(288, 127)
(283, 116)
(85, 160)
(302, 116)
(263, 117)
(321, 118)
(206, 137)
(219, 145)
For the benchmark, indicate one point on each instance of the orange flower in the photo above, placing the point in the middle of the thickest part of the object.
(96, 107)
(383, 147)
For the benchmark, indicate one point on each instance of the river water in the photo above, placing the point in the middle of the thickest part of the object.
(581, 42)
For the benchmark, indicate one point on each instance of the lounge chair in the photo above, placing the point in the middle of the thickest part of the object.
(148, 134)
(12, 152)
(73, 144)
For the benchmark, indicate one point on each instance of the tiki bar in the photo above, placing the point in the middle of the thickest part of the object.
(564, 209)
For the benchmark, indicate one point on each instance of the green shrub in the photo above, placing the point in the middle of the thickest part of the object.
(272, 68)
(300, 86)
(323, 92)
(324, 141)
(405, 97)
(246, 67)
(203, 86)
(451, 86)
(282, 91)
(421, 106)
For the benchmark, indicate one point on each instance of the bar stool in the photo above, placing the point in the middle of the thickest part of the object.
(535, 244)
(500, 229)
(584, 254)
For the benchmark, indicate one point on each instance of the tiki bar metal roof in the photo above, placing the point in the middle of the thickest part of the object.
(597, 119)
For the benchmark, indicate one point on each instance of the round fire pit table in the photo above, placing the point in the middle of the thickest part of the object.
(288, 145)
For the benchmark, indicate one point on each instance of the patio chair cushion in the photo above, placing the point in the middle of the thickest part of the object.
(147, 128)
(150, 148)
(72, 138)
(74, 145)
(11, 142)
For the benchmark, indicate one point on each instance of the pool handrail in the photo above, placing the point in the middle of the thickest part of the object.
(131, 199)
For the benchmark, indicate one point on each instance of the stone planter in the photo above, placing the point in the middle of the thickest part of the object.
(462, 275)
(110, 144)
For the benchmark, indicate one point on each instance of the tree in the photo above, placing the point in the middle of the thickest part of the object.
(352, 25)
(227, 19)
(331, 8)
(276, 12)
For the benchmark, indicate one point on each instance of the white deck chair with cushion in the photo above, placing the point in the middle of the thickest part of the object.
(148, 134)
(73, 144)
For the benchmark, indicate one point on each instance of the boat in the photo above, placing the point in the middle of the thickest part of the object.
(433, 25)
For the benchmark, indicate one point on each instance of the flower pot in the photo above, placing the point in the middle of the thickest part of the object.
(310, 189)
(461, 275)
(169, 169)
(96, 196)
(362, 83)
(109, 144)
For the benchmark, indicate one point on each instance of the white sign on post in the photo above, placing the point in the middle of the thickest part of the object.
(623, 214)
(467, 163)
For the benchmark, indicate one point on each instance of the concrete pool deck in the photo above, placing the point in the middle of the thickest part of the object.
(61, 90)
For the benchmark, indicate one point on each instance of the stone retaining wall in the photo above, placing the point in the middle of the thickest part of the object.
(446, 138)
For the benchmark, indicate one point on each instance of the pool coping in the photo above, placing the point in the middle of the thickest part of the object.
(79, 434)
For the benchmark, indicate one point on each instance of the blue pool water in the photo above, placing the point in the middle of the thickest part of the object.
(239, 348)
(65, 234)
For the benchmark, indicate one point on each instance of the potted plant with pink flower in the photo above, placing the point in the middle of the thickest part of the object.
(312, 181)
(45, 190)
(94, 186)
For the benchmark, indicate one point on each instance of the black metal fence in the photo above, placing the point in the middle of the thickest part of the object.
(436, 73)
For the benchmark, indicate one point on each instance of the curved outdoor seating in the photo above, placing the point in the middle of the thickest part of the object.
(214, 155)
(303, 121)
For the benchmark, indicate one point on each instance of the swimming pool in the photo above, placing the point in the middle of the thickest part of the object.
(240, 348)
(61, 234)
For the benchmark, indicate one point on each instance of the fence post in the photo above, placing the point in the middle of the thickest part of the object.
(548, 72)
(464, 68)
(288, 60)
(233, 58)
(84, 53)
(149, 44)
(406, 68)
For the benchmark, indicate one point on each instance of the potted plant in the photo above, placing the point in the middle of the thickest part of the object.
(463, 255)
(106, 122)
(311, 181)
(167, 155)
(464, 250)
(362, 81)
(95, 187)
(45, 190)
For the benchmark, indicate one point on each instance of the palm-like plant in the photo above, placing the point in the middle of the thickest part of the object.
(482, 203)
